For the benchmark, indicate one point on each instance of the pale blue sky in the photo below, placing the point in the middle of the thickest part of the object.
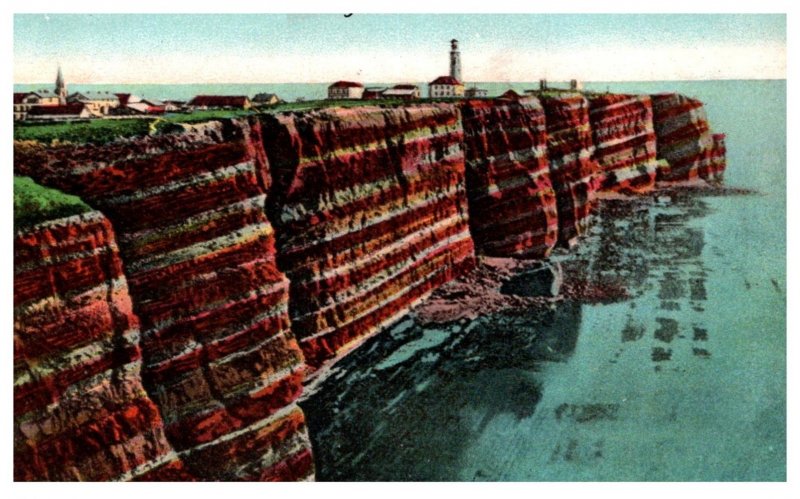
(143, 48)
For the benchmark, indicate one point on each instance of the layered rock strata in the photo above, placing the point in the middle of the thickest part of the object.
(718, 159)
(80, 411)
(685, 140)
(625, 141)
(573, 169)
(512, 204)
(220, 360)
(370, 210)
(370, 213)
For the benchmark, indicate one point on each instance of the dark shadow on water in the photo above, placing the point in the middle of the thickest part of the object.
(413, 420)
(410, 403)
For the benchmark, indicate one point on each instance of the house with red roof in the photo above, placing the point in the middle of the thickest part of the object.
(62, 112)
(133, 104)
(373, 93)
(220, 102)
(345, 90)
(445, 86)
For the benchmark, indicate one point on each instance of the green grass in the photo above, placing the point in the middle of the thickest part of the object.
(321, 104)
(91, 132)
(34, 203)
(102, 131)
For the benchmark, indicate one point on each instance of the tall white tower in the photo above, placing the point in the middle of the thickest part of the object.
(455, 60)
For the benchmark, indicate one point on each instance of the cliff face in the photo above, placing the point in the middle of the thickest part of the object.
(370, 211)
(573, 169)
(512, 204)
(220, 360)
(365, 210)
(685, 140)
(625, 141)
(80, 411)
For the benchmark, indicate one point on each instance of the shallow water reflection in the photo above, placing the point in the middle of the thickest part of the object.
(683, 380)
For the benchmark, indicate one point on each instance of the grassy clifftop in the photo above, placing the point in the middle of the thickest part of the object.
(34, 203)
(102, 131)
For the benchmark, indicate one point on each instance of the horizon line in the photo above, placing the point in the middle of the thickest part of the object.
(367, 81)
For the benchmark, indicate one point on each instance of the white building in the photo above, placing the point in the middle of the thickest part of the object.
(97, 103)
(445, 86)
(345, 90)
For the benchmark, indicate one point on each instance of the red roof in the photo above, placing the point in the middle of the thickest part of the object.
(405, 86)
(346, 84)
(67, 109)
(445, 80)
(123, 99)
(18, 96)
(510, 94)
(219, 101)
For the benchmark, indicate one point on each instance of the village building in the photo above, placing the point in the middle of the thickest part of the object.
(25, 101)
(449, 86)
(60, 112)
(202, 102)
(132, 104)
(20, 106)
(373, 93)
(42, 97)
(445, 86)
(403, 91)
(98, 103)
(345, 90)
(174, 106)
(265, 99)
(476, 92)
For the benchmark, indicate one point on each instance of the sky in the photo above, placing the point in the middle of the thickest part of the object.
(283, 48)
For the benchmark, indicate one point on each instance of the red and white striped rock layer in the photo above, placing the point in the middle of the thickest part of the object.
(220, 360)
(80, 411)
(512, 204)
(625, 142)
(573, 169)
(685, 140)
(370, 211)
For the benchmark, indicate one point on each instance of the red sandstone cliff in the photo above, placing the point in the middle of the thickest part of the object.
(625, 141)
(370, 211)
(219, 358)
(685, 140)
(573, 169)
(80, 411)
(512, 204)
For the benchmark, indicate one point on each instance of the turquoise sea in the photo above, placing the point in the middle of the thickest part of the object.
(684, 381)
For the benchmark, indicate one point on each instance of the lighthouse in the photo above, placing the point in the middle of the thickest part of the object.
(455, 60)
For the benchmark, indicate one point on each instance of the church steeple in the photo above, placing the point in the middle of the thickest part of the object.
(61, 87)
